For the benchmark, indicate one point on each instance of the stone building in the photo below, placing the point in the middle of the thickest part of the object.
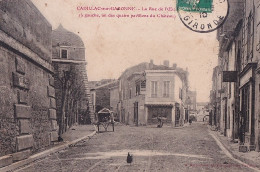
(192, 99)
(249, 78)
(100, 94)
(226, 74)
(71, 81)
(202, 111)
(114, 100)
(148, 91)
(215, 98)
(27, 97)
(238, 68)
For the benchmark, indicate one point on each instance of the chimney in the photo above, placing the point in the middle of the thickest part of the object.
(166, 63)
(151, 64)
(174, 66)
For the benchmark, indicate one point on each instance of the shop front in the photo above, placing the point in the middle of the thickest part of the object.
(161, 111)
(247, 105)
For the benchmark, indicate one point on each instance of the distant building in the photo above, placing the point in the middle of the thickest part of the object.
(202, 111)
(148, 91)
(202, 106)
(94, 84)
(100, 94)
(192, 99)
(215, 99)
(114, 101)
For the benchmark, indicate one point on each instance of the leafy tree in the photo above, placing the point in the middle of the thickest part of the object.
(70, 84)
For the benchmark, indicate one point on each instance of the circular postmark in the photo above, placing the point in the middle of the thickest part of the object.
(202, 15)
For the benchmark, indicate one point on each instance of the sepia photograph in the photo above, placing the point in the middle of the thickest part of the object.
(129, 85)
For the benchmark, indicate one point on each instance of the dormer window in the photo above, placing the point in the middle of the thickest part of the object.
(64, 53)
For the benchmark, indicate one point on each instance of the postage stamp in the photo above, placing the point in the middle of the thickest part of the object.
(195, 5)
(202, 15)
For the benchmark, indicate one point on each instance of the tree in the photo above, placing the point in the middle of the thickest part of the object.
(70, 86)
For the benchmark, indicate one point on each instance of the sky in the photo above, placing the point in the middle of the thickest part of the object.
(113, 44)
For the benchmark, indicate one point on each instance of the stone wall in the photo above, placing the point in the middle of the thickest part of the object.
(114, 99)
(129, 110)
(27, 97)
(23, 21)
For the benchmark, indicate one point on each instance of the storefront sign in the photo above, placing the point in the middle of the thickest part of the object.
(229, 76)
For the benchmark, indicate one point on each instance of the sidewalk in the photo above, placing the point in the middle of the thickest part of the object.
(77, 132)
(72, 136)
(251, 158)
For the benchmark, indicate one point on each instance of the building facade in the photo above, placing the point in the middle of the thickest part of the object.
(101, 95)
(163, 97)
(114, 101)
(202, 111)
(215, 98)
(238, 68)
(148, 91)
(192, 99)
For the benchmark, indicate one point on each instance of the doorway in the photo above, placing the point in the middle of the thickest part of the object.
(136, 113)
(177, 115)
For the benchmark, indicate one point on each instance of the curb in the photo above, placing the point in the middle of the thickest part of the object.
(231, 155)
(44, 154)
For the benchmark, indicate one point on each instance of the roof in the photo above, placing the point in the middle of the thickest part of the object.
(135, 74)
(139, 68)
(61, 36)
(161, 67)
(159, 105)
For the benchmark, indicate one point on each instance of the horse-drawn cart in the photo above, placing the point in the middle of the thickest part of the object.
(105, 118)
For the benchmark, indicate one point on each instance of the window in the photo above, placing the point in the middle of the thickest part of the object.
(154, 88)
(64, 53)
(239, 57)
(123, 93)
(246, 107)
(180, 93)
(137, 89)
(166, 88)
(143, 85)
(93, 99)
(120, 85)
(228, 118)
(250, 37)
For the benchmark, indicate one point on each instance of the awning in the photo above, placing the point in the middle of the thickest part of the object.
(159, 105)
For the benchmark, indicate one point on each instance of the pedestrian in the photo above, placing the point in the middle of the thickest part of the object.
(190, 121)
(160, 123)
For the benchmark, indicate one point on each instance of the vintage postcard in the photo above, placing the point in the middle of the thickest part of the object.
(129, 85)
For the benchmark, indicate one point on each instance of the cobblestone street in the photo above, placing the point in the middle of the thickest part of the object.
(154, 149)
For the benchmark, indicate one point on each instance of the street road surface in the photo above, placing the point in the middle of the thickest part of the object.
(154, 149)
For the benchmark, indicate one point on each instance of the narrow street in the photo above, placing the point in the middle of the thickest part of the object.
(154, 149)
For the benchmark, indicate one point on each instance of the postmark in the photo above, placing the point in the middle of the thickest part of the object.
(202, 15)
